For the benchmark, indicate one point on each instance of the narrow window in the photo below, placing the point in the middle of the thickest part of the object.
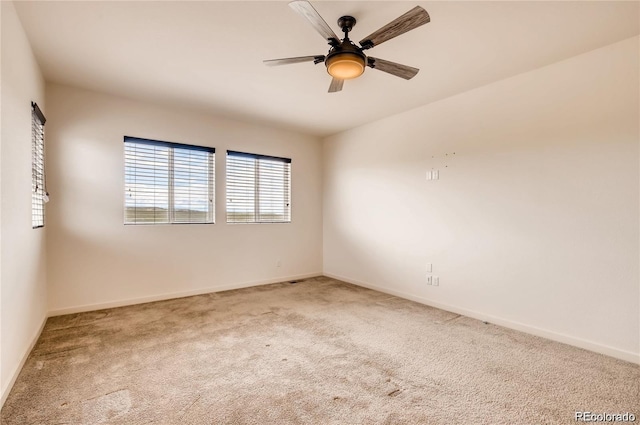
(168, 183)
(38, 192)
(258, 188)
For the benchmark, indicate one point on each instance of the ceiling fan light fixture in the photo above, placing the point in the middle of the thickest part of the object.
(345, 65)
(346, 59)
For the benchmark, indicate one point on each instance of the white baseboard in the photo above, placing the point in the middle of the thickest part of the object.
(554, 336)
(172, 295)
(18, 369)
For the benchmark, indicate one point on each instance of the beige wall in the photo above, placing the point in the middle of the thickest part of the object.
(534, 221)
(22, 256)
(96, 261)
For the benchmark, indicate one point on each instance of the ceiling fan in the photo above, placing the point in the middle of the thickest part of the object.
(347, 60)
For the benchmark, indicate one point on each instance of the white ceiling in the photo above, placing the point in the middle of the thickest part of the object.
(208, 55)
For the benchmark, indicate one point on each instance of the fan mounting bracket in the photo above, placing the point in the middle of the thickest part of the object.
(346, 23)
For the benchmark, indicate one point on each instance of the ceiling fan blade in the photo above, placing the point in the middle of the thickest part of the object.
(410, 20)
(399, 70)
(336, 85)
(299, 59)
(307, 11)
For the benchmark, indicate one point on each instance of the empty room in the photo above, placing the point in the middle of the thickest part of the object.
(319, 212)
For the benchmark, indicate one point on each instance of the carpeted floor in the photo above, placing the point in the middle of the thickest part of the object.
(316, 352)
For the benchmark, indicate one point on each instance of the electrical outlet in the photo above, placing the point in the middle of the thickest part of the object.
(436, 281)
(429, 280)
(429, 175)
(429, 267)
(435, 175)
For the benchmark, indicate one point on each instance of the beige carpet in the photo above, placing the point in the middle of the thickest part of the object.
(316, 352)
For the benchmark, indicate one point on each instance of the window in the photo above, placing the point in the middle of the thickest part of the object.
(168, 182)
(38, 192)
(258, 188)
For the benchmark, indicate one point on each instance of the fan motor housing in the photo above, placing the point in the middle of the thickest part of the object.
(345, 61)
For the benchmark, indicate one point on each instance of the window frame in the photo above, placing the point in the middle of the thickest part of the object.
(256, 204)
(171, 180)
(39, 195)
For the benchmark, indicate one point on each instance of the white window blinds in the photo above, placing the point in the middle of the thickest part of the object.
(38, 191)
(258, 188)
(168, 182)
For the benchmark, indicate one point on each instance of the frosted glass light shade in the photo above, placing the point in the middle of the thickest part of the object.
(345, 66)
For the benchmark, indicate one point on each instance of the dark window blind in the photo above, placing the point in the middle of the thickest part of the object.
(258, 188)
(168, 182)
(38, 191)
